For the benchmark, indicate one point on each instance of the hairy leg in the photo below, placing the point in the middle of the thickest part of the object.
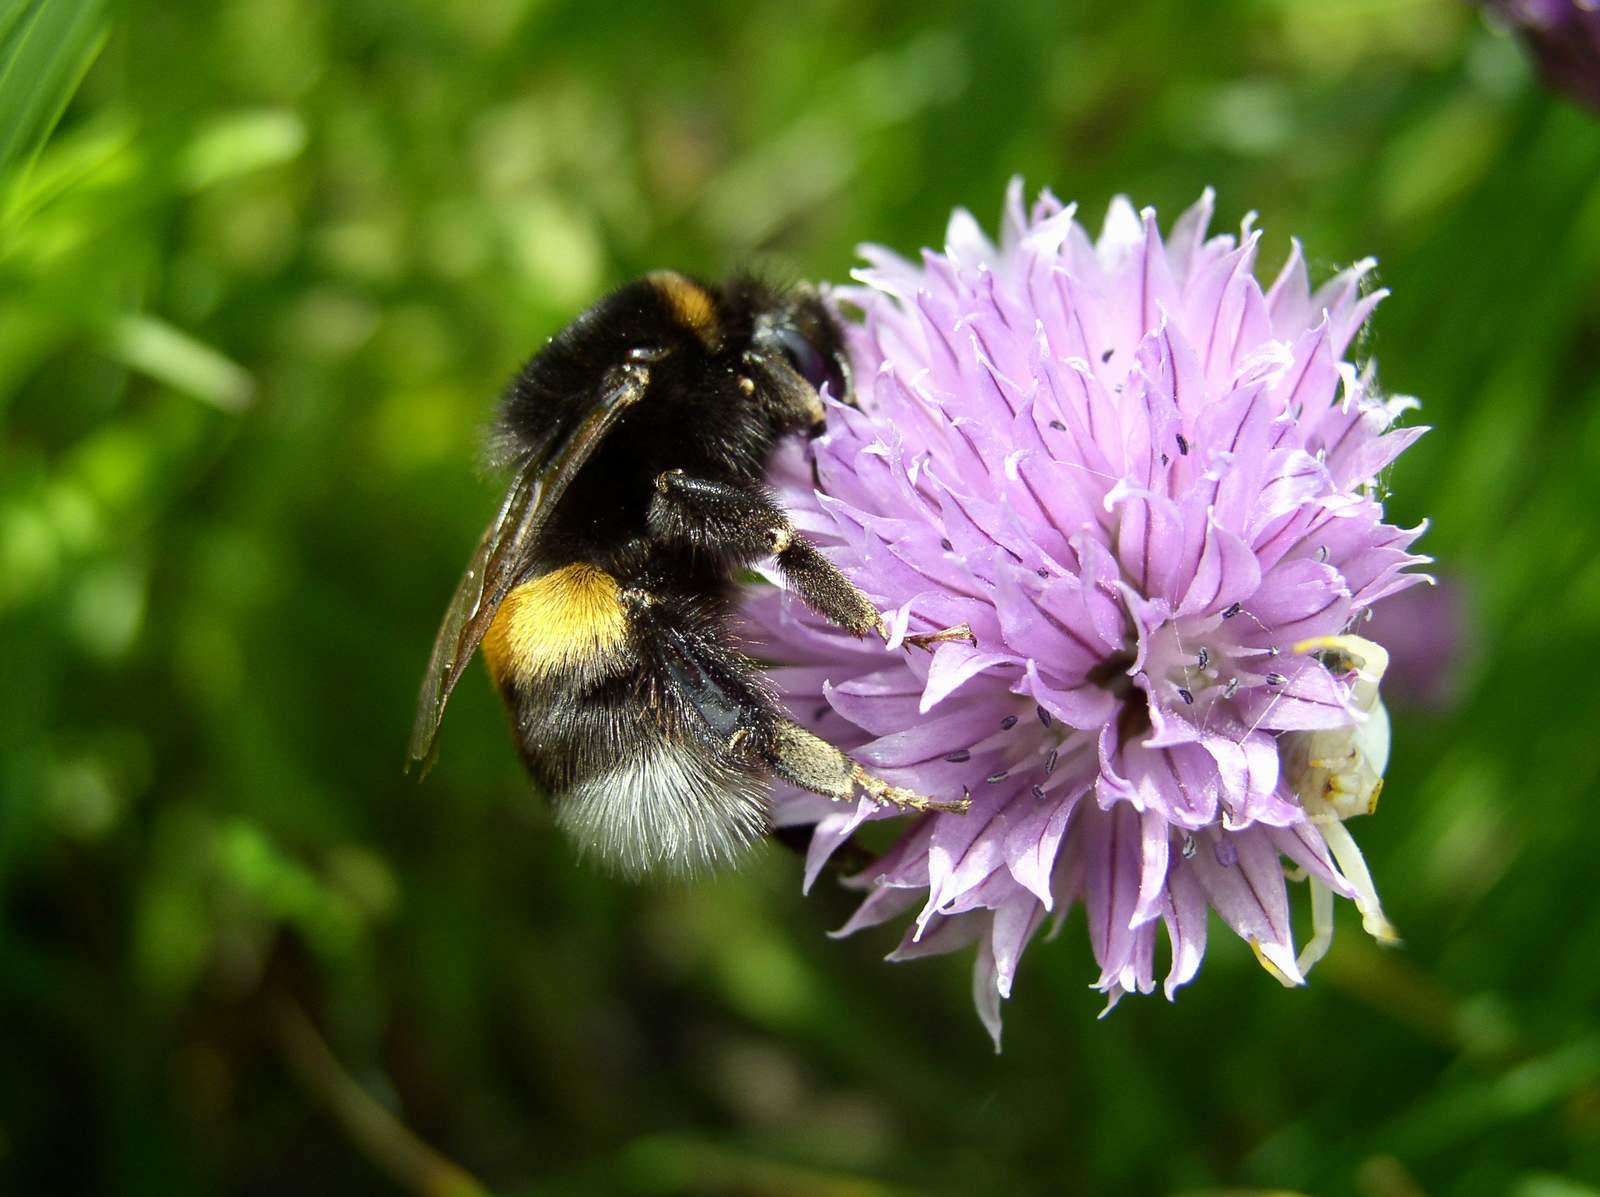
(743, 724)
(745, 525)
(812, 763)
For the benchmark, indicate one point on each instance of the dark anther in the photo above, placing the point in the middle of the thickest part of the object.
(1058, 425)
(1231, 688)
(1043, 573)
(959, 758)
(1044, 715)
(1204, 657)
(1009, 722)
(1187, 697)
(995, 779)
(1276, 679)
(1231, 610)
(1050, 763)
(1106, 356)
(1165, 460)
(1038, 792)
(944, 543)
(1183, 445)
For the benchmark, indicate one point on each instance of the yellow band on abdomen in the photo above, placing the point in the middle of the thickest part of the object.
(571, 619)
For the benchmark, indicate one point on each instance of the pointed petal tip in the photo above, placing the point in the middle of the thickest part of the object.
(1113, 994)
(1279, 962)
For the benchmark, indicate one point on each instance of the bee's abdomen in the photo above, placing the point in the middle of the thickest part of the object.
(630, 781)
(636, 775)
(570, 622)
(666, 805)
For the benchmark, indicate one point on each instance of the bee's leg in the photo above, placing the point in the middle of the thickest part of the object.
(812, 763)
(745, 525)
(743, 724)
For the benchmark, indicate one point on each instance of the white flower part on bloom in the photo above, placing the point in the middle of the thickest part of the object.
(1338, 773)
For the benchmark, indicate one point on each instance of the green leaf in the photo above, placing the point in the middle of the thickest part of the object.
(46, 46)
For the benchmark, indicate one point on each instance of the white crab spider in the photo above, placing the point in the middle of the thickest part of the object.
(1338, 773)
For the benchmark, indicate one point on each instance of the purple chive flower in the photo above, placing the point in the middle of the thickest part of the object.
(1564, 36)
(1148, 486)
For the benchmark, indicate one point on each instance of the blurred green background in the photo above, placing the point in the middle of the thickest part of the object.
(258, 288)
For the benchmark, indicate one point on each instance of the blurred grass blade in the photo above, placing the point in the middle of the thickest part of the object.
(684, 1163)
(154, 347)
(382, 1137)
(241, 142)
(45, 48)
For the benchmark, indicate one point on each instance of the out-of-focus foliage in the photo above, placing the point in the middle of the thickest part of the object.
(257, 290)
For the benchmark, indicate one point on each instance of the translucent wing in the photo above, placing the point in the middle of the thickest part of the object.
(502, 555)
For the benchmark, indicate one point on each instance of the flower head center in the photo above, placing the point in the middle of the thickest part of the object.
(1113, 675)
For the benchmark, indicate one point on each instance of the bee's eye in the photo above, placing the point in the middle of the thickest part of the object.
(807, 362)
(812, 366)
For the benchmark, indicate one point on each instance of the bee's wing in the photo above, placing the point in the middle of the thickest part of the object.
(503, 554)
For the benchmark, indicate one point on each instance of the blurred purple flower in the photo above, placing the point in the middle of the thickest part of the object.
(1147, 486)
(1564, 36)
(1424, 628)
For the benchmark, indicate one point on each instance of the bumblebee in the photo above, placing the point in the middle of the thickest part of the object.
(638, 439)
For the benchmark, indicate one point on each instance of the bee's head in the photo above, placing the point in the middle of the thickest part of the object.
(808, 336)
(795, 328)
